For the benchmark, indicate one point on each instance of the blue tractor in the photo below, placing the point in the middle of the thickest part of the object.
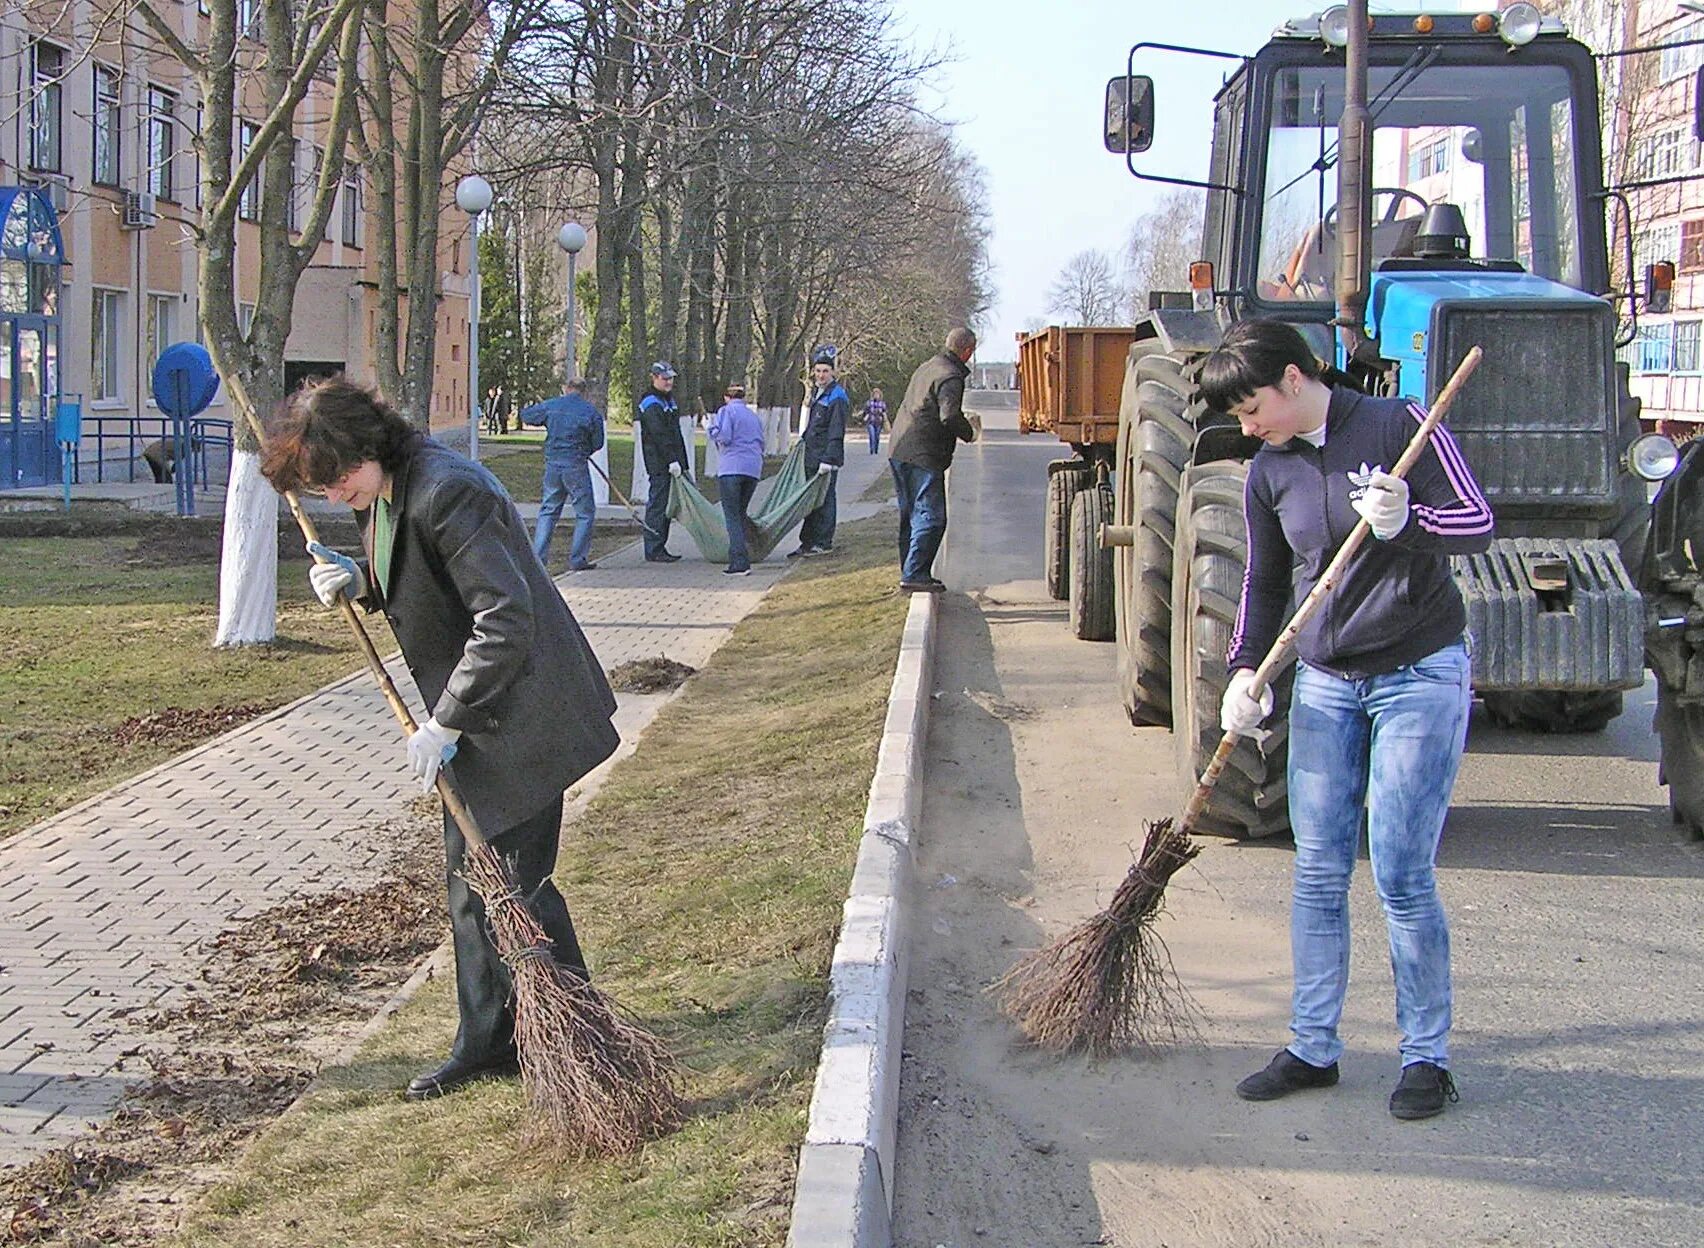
(1403, 188)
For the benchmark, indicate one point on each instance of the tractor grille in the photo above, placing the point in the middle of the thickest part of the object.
(1538, 419)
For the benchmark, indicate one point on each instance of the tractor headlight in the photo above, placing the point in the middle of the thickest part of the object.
(1334, 26)
(1519, 24)
(1653, 457)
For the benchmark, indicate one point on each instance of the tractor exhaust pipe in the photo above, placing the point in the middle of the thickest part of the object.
(1354, 204)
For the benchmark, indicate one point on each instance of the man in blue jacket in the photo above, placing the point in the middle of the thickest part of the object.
(825, 450)
(665, 457)
(574, 430)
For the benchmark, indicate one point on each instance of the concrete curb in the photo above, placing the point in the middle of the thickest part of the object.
(843, 1197)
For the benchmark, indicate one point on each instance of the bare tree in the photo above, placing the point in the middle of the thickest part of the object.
(1085, 291)
(1162, 245)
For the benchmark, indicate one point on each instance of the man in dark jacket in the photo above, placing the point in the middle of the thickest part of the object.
(825, 450)
(665, 458)
(574, 430)
(930, 424)
(516, 695)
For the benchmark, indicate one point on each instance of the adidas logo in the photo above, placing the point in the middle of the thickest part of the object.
(1360, 479)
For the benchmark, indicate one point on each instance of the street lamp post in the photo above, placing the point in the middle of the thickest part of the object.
(473, 196)
(572, 239)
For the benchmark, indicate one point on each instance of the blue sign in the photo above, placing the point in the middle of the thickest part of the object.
(185, 383)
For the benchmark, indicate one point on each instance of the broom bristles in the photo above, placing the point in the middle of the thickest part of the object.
(597, 1081)
(1108, 984)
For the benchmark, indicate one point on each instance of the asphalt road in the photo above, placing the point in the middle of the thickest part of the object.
(1577, 920)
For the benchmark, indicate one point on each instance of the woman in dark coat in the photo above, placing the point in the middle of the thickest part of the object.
(516, 695)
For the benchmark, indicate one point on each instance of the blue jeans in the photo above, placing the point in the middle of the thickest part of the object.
(875, 438)
(818, 529)
(657, 513)
(1391, 743)
(567, 481)
(922, 518)
(736, 494)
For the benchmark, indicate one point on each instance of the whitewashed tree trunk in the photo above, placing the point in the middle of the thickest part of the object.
(600, 485)
(689, 436)
(641, 478)
(248, 563)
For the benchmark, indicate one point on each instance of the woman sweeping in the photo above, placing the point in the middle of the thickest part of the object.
(516, 695)
(1378, 717)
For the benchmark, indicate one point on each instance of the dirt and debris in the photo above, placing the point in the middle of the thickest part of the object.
(658, 675)
(181, 725)
(278, 995)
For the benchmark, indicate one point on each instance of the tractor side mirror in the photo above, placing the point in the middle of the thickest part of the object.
(1129, 121)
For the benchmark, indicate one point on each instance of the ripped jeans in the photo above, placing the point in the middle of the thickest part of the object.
(1392, 744)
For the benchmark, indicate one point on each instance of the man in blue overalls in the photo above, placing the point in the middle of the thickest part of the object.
(825, 450)
(574, 430)
(665, 456)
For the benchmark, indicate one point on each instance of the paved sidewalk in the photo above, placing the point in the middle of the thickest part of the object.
(103, 908)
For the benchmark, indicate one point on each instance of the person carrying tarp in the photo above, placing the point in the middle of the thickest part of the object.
(825, 450)
(737, 432)
(665, 457)
(574, 431)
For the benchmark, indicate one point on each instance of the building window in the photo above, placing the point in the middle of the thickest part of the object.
(1686, 346)
(1660, 242)
(292, 214)
(47, 66)
(1429, 158)
(195, 152)
(160, 309)
(1678, 62)
(1656, 347)
(248, 204)
(352, 209)
(162, 136)
(104, 339)
(108, 126)
(245, 319)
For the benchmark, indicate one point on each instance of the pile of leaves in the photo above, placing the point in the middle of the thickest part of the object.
(277, 995)
(180, 725)
(658, 675)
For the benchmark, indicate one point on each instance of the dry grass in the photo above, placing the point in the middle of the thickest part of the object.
(707, 879)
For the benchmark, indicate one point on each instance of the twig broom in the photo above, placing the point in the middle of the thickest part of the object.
(596, 1081)
(1107, 984)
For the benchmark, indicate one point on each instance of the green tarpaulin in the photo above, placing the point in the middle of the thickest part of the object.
(781, 502)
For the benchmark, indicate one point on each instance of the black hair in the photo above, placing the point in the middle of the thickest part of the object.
(1254, 353)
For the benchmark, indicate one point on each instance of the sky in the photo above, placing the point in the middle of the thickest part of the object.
(1025, 88)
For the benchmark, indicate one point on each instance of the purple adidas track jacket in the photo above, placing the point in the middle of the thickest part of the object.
(1397, 602)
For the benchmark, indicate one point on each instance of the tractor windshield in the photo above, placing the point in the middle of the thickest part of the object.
(1496, 141)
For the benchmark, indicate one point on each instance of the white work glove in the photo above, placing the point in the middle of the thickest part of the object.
(975, 419)
(674, 468)
(1384, 504)
(334, 573)
(1240, 713)
(824, 469)
(429, 747)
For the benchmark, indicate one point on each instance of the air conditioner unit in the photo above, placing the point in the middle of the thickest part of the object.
(139, 211)
(59, 195)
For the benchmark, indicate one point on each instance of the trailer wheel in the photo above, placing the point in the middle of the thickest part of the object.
(1154, 440)
(1680, 729)
(1252, 796)
(1550, 710)
(1091, 566)
(1065, 477)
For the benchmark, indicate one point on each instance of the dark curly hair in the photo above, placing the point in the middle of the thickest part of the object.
(328, 427)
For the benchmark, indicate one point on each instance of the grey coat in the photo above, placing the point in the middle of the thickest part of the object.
(931, 418)
(492, 646)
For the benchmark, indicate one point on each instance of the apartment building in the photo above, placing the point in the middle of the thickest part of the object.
(106, 125)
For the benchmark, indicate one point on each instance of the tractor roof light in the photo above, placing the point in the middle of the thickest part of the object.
(1519, 24)
(1334, 26)
(1653, 457)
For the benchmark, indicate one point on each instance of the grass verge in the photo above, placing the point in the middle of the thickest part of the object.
(707, 878)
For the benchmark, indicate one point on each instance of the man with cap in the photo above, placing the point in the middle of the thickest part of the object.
(825, 450)
(574, 431)
(665, 457)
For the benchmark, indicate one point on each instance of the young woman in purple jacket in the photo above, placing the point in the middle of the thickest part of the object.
(737, 432)
(1378, 716)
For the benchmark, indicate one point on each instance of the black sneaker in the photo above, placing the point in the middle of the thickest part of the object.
(662, 557)
(921, 587)
(794, 554)
(1285, 1074)
(588, 566)
(736, 571)
(814, 551)
(1422, 1092)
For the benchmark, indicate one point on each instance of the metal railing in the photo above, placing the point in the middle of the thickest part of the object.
(135, 433)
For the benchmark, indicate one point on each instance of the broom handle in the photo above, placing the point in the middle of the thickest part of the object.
(1280, 651)
(446, 790)
(625, 501)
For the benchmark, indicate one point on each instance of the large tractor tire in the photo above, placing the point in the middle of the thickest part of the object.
(1155, 434)
(1091, 566)
(1590, 710)
(1065, 477)
(1680, 728)
(1252, 796)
